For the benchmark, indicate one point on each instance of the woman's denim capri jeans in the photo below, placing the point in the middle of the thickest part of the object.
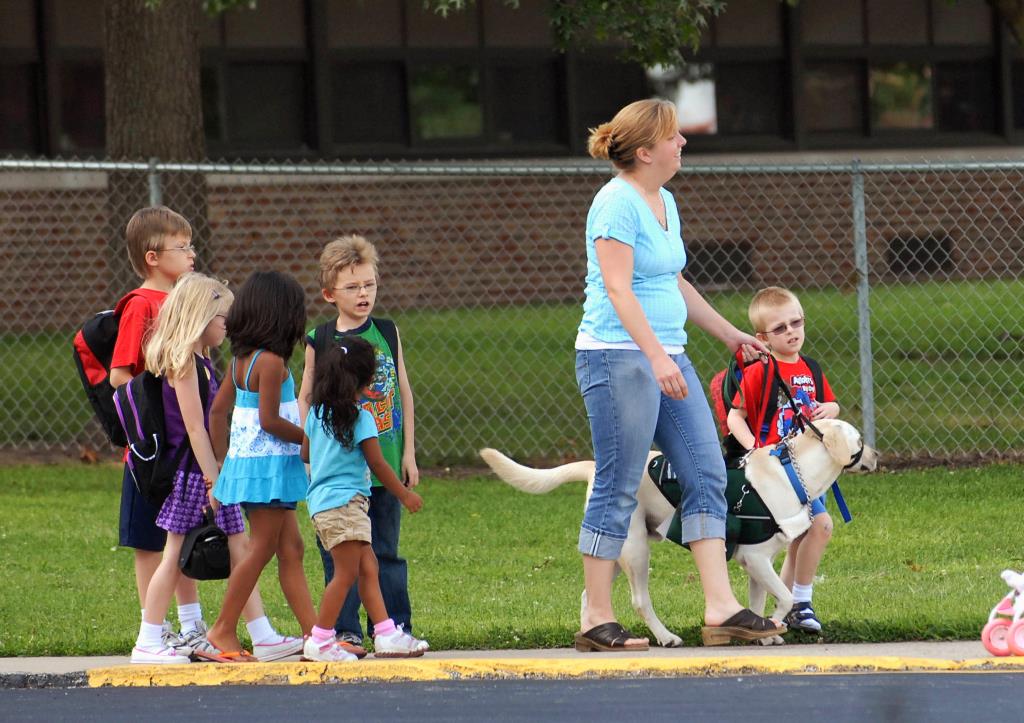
(628, 412)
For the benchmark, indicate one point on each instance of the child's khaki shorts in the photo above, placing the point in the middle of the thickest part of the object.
(344, 524)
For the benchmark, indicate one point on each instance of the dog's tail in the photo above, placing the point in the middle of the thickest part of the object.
(535, 481)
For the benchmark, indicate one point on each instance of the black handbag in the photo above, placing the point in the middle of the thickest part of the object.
(204, 553)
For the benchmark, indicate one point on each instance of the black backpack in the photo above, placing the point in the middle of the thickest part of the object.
(324, 335)
(726, 385)
(93, 348)
(140, 409)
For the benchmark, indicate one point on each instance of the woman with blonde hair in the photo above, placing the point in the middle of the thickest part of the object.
(637, 383)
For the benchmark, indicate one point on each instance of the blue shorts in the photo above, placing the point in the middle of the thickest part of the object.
(272, 505)
(138, 519)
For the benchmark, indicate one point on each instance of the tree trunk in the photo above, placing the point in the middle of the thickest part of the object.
(153, 110)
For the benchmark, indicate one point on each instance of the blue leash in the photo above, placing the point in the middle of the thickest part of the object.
(781, 452)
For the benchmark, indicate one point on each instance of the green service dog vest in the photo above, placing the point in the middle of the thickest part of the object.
(747, 520)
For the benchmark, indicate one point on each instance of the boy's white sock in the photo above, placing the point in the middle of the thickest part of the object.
(150, 636)
(188, 615)
(802, 593)
(261, 631)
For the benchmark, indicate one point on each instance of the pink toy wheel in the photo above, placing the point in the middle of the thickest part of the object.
(1015, 638)
(995, 636)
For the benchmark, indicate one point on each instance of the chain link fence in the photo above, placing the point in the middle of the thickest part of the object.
(910, 277)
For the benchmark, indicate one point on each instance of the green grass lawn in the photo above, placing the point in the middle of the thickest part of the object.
(948, 373)
(495, 568)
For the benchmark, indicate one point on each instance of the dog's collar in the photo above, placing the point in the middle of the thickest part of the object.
(855, 459)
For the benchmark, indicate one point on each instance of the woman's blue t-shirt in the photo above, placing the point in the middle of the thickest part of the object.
(619, 212)
(336, 473)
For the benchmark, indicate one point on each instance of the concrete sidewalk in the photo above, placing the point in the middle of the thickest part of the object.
(518, 664)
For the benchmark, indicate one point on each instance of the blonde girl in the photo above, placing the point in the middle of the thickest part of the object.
(190, 322)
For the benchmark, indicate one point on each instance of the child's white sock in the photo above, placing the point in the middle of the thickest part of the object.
(261, 631)
(150, 636)
(802, 593)
(188, 615)
(143, 611)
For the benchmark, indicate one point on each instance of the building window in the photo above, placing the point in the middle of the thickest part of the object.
(18, 121)
(445, 101)
(901, 96)
(368, 102)
(213, 114)
(82, 126)
(603, 86)
(749, 98)
(527, 102)
(898, 22)
(273, 117)
(833, 96)
(964, 96)
(832, 22)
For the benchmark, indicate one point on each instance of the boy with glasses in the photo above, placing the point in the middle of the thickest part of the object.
(776, 315)
(159, 243)
(348, 281)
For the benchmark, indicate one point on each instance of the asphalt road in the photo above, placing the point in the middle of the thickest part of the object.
(903, 697)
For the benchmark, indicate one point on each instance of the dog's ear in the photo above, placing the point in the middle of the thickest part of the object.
(834, 439)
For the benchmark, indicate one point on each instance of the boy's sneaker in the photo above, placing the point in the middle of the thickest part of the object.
(801, 617)
(198, 646)
(162, 655)
(352, 643)
(285, 646)
(398, 644)
(171, 639)
(326, 652)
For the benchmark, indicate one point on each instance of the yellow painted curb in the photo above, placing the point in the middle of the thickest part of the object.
(521, 669)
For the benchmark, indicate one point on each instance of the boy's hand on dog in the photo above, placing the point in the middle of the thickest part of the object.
(826, 410)
(412, 501)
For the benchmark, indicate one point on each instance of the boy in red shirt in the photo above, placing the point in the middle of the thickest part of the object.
(778, 319)
(160, 250)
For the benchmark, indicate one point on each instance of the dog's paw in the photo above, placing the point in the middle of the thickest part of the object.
(774, 640)
(671, 641)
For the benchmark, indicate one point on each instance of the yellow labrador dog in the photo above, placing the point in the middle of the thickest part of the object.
(818, 461)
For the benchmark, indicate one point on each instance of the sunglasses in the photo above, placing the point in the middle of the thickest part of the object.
(784, 327)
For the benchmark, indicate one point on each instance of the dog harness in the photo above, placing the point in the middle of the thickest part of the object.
(747, 521)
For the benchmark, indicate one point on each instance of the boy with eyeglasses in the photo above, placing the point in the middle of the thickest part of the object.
(778, 319)
(159, 244)
(348, 281)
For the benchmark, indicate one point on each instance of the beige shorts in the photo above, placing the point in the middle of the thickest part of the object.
(342, 524)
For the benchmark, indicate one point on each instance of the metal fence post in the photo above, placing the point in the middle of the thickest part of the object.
(156, 196)
(860, 255)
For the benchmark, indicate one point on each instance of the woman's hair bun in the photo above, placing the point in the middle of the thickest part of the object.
(600, 142)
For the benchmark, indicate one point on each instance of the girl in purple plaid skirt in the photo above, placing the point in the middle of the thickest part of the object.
(191, 321)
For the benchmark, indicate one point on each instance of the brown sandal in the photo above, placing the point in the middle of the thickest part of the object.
(608, 638)
(744, 625)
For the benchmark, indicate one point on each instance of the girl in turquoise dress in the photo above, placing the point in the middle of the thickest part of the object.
(262, 470)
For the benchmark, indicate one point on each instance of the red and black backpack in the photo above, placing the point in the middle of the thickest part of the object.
(726, 384)
(93, 348)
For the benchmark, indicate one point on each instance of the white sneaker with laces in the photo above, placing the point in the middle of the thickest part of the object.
(162, 655)
(326, 652)
(398, 644)
(172, 639)
(282, 648)
(197, 644)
